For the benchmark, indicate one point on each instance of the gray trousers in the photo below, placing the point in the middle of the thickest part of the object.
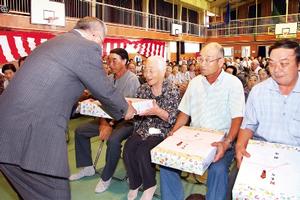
(84, 132)
(31, 185)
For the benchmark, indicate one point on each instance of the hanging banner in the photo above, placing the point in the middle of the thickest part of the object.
(16, 44)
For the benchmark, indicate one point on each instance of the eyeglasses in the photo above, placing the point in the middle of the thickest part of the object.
(206, 60)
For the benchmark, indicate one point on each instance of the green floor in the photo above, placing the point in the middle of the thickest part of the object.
(84, 189)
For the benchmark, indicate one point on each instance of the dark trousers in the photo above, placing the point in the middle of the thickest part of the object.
(113, 152)
(31, 185)
(83, 134)
(137, 160)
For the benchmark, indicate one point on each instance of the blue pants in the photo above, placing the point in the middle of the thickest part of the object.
(217, 182)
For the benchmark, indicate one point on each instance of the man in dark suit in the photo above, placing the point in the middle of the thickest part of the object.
(36, 106)
(2, 79)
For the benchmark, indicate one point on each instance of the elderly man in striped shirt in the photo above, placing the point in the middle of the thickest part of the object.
(214, 100)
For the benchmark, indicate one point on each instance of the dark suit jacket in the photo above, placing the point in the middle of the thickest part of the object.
(2, 79)
(36, 105)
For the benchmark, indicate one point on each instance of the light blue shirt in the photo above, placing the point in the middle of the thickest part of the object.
(214, 105)
(272, 116)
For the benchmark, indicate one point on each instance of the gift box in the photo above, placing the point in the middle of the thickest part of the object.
(271, 172)
(188, 149)
(92, 108)
(141, 105)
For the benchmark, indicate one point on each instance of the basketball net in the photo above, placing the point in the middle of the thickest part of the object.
(51, 21)
(285, 34)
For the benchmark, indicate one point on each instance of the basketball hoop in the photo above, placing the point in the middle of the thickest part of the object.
(51, 20)
(285, 34)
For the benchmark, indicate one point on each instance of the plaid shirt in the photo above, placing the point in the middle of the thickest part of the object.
(272, 116)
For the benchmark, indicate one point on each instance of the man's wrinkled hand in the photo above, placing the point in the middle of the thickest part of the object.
(240, 152)
(221, 149)
(105, 132)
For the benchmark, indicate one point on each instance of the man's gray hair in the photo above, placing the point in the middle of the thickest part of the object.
(91, 23)
(216, 46)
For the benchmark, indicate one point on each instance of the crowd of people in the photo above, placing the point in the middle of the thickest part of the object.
(8, 71)
(249, 98)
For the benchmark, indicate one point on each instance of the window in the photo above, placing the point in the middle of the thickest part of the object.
(279, 7)
(252, 11)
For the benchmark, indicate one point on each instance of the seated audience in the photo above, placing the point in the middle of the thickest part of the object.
(140, 170)
(192, 71)
(184, 79)
(9, 71)
(238, 65)
(176, 75)
(184, 74)
(168, 74)
(251, 82)
(126, 83)
(263, 74)
(21, 61)
(273, 106)
(213, 100)
(231, 70)
(255, 66)
(246, 63)
(131, 67)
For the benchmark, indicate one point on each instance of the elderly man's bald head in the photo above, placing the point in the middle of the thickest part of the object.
(214, 46)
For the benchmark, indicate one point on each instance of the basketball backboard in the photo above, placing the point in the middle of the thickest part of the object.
(47, 12)
(176, 29)
(286, 30)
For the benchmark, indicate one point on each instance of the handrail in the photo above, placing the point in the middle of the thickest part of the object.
(137, 19)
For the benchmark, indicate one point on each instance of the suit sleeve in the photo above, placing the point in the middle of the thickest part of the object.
(94, 78)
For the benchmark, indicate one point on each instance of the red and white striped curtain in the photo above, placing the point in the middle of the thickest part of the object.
(16, 44)
(144, 47)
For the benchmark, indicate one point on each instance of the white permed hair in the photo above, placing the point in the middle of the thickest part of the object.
(161, 64)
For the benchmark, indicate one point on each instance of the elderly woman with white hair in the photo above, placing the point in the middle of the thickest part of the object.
(150, 128)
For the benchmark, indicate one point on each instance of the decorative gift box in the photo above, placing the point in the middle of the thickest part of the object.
(93, 108)
(141, 105)
(271, 172)
(188, 149)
